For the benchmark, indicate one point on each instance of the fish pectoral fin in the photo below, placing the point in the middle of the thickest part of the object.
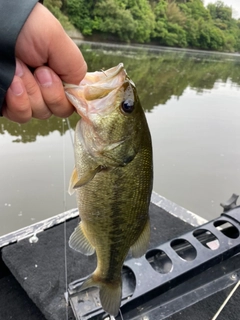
(75, 182)
(79, 242)
(110, 294)
(88, 176)
(140, 246)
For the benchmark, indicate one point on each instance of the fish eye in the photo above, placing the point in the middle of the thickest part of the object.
(128, 106)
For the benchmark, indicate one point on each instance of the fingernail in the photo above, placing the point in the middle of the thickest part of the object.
(19, 69)
(16, 87)
(44, 77)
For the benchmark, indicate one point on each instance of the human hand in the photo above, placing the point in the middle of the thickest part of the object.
(43, 45)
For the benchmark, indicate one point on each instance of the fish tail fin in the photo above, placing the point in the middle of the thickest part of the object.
(110, 297)
(110, 294)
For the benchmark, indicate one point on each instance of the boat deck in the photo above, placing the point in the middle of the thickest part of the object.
(32, 275)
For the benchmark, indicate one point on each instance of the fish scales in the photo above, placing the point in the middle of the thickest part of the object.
(113, 178)
(115, 226)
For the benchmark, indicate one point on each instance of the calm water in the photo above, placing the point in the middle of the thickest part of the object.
(192, 103)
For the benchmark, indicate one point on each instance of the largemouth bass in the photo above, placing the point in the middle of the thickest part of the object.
(112, 177)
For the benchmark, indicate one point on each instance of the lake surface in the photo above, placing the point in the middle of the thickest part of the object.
(192, 103)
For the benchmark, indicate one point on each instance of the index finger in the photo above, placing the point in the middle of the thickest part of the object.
(37, 46)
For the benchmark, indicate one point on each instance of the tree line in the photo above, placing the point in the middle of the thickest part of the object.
(178, 23)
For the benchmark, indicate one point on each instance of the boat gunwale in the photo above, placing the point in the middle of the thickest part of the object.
(160, 201)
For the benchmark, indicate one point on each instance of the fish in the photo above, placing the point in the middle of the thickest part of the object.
(112, 178)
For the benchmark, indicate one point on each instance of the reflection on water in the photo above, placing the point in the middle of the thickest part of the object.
(29, 132)
(192, 105)
(159, 75)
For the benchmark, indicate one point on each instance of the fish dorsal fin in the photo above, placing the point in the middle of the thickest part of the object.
(75, 182)
(79, 242)
(140, 246)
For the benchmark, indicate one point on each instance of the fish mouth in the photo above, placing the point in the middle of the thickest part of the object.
(97, 91)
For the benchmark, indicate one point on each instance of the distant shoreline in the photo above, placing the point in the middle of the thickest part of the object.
(151, 47)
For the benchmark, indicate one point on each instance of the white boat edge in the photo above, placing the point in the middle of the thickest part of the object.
(177, 211)
(32, 230)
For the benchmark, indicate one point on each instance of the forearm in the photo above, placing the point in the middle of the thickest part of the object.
(13, 14)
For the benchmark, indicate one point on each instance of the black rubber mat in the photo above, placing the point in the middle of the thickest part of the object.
(40, 267)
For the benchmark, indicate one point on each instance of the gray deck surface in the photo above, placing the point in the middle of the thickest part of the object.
(39, 274)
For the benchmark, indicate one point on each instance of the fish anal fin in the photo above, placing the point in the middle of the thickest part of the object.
(73, 181)
(79, 242)
(140, 246)
(110, 294)
(88, 283)
(86, 177)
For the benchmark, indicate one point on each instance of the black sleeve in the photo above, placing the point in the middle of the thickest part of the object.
(13, 14)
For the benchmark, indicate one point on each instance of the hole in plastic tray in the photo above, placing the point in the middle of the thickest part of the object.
(128, 282)
(228, 229)
(184, 249)
(207, 239)
(159, 261)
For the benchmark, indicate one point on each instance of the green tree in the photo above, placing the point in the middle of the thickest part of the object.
(169, 22)
(79, 12)
(55, 7)
(220, 11)
(181, 23)
(114, 19)
(144, 19)
(174, 14)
